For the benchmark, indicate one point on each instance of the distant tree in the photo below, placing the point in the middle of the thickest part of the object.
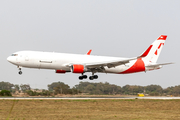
(98, 88)
(115, 89)
(74, 91)
(90, 89)
(150, 89)
(168, 91)
(32, 93)
(154, 94)
(81, 86)
(62, 89)
(175, 90)
(25, 87)
(35, 93)
(46, 93)
(53, 85)
(16, 87)
(5, 93)
(59, 88)
(126, 89)
(6, 86)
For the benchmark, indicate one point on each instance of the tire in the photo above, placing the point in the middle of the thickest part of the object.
(80, 77)
(85, 76)
(95, 77)
(91, 77)
(20, 72)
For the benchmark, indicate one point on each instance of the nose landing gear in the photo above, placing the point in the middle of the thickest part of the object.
(20, 72)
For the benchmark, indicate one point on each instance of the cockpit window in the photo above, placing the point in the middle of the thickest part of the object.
(14, 55)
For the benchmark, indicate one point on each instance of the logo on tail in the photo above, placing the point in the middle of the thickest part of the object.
(154, 50)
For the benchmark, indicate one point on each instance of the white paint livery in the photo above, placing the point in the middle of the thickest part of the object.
(76, 63)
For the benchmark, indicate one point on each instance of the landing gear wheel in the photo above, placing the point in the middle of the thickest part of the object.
(91, 77)
(95, 77)
(20, 72)
(80, 78)
(84, 76)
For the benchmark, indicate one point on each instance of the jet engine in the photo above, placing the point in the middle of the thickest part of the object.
(77, 68)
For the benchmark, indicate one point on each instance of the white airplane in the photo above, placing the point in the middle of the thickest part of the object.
(76, 63)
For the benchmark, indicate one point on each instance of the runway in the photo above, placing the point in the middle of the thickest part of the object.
(83, 98)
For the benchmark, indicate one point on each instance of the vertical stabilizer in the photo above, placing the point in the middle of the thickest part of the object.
(154, 50)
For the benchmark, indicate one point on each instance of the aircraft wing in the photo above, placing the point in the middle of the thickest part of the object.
(109, 64)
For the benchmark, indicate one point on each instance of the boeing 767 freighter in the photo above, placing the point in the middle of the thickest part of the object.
(76, 63)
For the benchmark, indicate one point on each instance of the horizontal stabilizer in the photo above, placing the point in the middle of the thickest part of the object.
(156, 65)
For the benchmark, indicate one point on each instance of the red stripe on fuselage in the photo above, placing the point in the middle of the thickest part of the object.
(137, 67)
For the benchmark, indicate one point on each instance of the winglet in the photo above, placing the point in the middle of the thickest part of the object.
(88, 53)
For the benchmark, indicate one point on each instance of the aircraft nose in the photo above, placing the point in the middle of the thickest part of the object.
(10, 59)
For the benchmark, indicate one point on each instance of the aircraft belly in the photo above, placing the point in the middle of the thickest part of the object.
(116, 69)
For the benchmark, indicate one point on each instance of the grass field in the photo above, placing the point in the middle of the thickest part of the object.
(123, 109)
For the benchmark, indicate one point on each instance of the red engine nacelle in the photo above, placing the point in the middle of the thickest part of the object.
(60, 71)
(78, 68)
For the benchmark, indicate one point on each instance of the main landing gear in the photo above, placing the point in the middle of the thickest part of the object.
(82, 77)
(90, 77)
(93, 77)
